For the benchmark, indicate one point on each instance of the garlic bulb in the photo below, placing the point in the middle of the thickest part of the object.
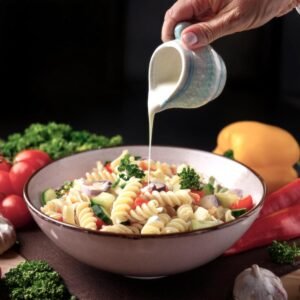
(7, 235)
(257, 283)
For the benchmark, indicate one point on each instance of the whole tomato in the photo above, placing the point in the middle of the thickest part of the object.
(13, 207)
(19, 175)
(6, 187)
(4, 164)
(37, 158)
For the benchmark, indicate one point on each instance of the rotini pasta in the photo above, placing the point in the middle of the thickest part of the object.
(123, 203)
(121, 197)
(171, 198)
(143, 212)
(85, 216)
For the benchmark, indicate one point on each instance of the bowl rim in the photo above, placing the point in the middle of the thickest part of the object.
(43, 216)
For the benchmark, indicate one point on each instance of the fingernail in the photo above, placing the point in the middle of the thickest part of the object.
(190, 38)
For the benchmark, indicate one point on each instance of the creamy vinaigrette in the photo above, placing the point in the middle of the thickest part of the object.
(156, 99)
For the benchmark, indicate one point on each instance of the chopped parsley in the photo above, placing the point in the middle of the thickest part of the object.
(189, 179)
(283, 253)
(129, 169)
(64, 188)
(229, 153)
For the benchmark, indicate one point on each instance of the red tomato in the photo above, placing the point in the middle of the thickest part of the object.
(6, 187)
(4, 164)
(14, 208)
(41, 157)
(36, 164)
(246, 202)
(19, 175)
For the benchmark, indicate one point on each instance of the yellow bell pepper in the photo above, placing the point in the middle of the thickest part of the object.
(269, 150)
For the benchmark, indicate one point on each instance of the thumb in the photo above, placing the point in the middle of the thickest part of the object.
(203, 33)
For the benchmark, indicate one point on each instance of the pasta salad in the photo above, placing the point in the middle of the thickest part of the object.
(127, 196)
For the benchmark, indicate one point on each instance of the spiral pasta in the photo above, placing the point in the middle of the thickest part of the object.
(53, 208)
(176, 225)
(122, 197)
(145, 211)
(85, 216)
(75, 196)
(171, 198)
(100, 173)
(123, 203)
(185, 212)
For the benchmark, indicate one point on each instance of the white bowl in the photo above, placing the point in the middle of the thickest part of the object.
(153, 255)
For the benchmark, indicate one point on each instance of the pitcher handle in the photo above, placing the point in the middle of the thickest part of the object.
(179, 28)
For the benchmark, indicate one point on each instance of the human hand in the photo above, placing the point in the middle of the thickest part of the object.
(217, 18)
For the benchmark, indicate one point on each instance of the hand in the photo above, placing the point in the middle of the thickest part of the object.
(217, 18)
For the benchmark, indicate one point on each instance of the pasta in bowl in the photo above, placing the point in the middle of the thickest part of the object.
(144, 218)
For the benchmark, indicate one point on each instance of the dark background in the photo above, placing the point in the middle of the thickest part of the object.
(85, 62)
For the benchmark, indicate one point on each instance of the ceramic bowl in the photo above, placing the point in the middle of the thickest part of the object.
(153, 255)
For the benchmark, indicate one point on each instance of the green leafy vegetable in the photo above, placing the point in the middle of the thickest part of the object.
(229, 153)
(189, 179)
(129, 169)
(34, 280)
(64, 188)
(57, 140)
(283, 253)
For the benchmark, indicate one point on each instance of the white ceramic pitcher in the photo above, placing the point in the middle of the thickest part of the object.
(181, 78)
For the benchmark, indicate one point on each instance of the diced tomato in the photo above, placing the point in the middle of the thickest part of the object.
(99, 223)
(246, 202)
(60, 219)
(139, 201)
(144, 166)
(108, 168)
(197, 195)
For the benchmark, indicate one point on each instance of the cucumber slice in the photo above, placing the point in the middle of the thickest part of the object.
(238, 212)
(48, 195)
(227, 198)
(105, 200)
(101, 213)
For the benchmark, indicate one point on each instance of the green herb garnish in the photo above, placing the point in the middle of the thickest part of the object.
(57, 140)
(129, 169)
(283, 253)
(189, 179)
(229, 153)
(35, 280)
(64, 188)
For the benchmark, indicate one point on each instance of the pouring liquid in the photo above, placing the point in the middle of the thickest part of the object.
(156, 98)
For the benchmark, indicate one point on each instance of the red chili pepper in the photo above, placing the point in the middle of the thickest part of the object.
(281, 225)
(284, 197)
(246, 202)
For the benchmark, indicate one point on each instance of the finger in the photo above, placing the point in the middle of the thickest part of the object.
(180, 11)
(204, 33)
